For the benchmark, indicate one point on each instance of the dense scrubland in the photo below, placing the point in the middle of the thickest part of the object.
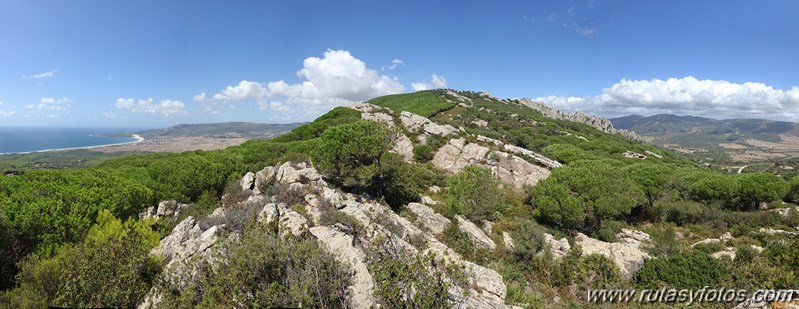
(73, 237)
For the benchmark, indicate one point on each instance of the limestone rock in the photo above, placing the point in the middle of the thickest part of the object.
(414, 122)
(364, 107)
(456, 154)
(264, 179)
(404, 147)
(248, 181)
(516, 171)
(268, 214)
(287, 174)
(428, 200)
(379, 117)
(773, 231)
(170, 208)
(291, 221)
(628, 258)
(507, 240)
(341, 245)
(632, 238)
(558, 247)
(480, 123)
(475, 233)
(550, 163)
(428, 218)
(598, 123)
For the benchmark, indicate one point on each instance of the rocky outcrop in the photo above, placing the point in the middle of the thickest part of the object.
(629, 258)
(169, 208)
(414, 122)
(428, 219)
(379, 228)
(550, 163)
(404, 147)
(598, 123)
(730, 252)
(558, 247)
(341, 245)
(508, 240)
(479, 238)
(633, 238)
(510, 169)
(784, 211)
(772, 231)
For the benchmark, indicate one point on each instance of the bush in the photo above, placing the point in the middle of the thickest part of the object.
(111, 268)
(681, 271)
(263, 271)
(405, 181)
(475, 193)
(423, 153)
(528, 240)
(350, 155)
(684, 212)
(663, 242)
(409, 282)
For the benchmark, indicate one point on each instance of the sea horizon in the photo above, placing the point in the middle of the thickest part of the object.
(23, 140)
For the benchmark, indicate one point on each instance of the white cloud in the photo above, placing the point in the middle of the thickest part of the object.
(687, 96)
(587, 31)
(336, 79)
(53, 104)
(48, 74)
(571, 11)
(393, 65)
(167, 108)
(437, 81)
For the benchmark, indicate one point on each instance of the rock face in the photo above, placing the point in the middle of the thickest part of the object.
(475, 233)
(404, 147)
(414, 122)
(629, 258)
(340, 244)
(169, 208)
(558, 247)
(510, 169)
(380, 228)
(248, 182)
(428, 218)
(598, 123)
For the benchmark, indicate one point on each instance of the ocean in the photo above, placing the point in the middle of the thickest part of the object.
(33, 139)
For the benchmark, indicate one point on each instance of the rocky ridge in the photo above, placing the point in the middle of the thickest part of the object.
(598, 123)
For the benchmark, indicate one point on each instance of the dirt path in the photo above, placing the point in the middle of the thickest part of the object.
(742, 168)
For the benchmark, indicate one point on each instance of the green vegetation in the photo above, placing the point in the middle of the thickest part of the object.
(111, 268)
(475, 193)
(409, 282)
(603, 192)
(265, 271)
(424, 103)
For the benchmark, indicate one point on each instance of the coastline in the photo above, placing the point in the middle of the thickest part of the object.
(138, 138)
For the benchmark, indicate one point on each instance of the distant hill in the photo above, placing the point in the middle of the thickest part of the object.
(746, 140)
(247, 130)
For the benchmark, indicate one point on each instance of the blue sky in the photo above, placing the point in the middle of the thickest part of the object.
(159, 63)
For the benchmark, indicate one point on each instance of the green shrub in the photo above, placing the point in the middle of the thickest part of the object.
(475, 193)
(710, 247)
(409, 282)
(528, 240)
(405, 181)
(663, 242)
(681, 271)
(263, 271)
(423, 153)
(111, 268)
(350, 155)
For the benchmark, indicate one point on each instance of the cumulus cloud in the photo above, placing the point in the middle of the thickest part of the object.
(48, 74)
(393, 65)
(437, 81)
(687, 96)
(52, 104)
(337, 78)
(167, 108)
